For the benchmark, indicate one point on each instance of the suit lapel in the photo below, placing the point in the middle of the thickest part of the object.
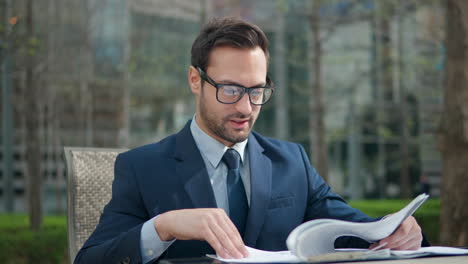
(260, 179)
(191, 170)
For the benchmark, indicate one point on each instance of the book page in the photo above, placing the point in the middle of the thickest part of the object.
(314, 240)
(428, 251)
(348, 254)
(262, 256)
(317, 237)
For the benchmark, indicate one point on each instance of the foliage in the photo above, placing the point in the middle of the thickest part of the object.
(18, 244)
(427, 215)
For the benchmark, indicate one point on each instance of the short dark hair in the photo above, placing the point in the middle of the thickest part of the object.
(227, 31)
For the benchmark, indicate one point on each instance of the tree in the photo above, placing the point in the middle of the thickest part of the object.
(318, 149)
(32, 107)
(281, 98)
(403, 111)
(6, 108)
(454, 129)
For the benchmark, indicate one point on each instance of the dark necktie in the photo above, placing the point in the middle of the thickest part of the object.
(238, 206)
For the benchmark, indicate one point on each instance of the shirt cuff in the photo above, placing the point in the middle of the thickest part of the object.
(151, 245)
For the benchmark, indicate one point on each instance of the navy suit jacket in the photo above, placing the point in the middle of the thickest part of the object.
(150, 180)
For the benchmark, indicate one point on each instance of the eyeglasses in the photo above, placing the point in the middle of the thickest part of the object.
(232, 93)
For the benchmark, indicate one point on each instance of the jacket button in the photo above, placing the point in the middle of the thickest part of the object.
(125, 261)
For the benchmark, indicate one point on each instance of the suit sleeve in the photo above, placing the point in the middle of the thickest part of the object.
(116, 238)
(323, 203)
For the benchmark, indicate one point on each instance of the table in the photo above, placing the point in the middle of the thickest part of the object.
(425, 260)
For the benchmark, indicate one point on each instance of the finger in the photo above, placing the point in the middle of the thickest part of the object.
(234, 234)
(227, 234)
(408, 228)
(377, 246)
(408, 241)
(397, 242)
(206, 233)
(372, 246)
(405, 245)
(211, 238)
(411, 245)
(415, 245)
(223, 236)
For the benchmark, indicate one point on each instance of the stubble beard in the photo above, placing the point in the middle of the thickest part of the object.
(219, 128)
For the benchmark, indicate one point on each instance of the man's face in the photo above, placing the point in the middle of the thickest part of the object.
(229, 123)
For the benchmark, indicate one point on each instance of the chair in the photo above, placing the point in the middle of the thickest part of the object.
(90, 172)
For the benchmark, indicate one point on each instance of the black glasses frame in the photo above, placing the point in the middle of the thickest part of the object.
(216, 85)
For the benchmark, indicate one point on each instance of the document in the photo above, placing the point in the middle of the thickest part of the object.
(348, 254)
(317, 237)
(429, 251)
(313, 241)
(262, 256)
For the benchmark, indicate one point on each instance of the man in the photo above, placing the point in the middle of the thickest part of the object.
(215, 185)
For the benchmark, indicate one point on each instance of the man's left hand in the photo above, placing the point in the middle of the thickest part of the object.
(408, 236)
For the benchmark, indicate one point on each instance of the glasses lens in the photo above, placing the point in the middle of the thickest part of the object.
(260, 96)
(229, 94)
(257, 95)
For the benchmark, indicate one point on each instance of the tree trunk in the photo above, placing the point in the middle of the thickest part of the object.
(124, 130)
(281, 97)
(454, 129)
(33, 152)
(377, 94)
(7, 110)
(318, 149)
(384, 85)
(405, 183)
(86, 73)
(355, 181)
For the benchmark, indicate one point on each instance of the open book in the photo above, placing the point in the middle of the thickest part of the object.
(262, 256)
(313, 241)
(317, 237)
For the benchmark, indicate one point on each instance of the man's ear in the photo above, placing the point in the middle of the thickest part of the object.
(194, 80)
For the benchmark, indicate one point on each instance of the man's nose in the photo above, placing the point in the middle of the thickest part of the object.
(243, 105)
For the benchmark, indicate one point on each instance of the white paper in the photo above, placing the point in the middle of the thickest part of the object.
(427, 251)
(313, 241)
(262, 256)
(317, 237)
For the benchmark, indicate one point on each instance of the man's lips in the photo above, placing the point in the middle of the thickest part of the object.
(239, 123)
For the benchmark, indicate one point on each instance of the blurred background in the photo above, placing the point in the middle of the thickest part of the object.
(360, 84)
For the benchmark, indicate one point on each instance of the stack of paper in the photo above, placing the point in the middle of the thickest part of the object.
(314, 241)
(317, 237)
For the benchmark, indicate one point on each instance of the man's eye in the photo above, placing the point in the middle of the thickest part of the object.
(231, 90)
(256, 92)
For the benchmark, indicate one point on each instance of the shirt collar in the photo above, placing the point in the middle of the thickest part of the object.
(212, 149)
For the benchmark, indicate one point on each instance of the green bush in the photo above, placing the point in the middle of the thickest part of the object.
(18, 244)
(427, 215)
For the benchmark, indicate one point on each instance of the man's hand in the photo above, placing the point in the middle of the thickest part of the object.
(408, 236)
(211, 225)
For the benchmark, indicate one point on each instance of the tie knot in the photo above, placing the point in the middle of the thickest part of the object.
(232, 159)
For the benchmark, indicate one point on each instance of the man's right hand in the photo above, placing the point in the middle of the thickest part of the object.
(211, 225)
